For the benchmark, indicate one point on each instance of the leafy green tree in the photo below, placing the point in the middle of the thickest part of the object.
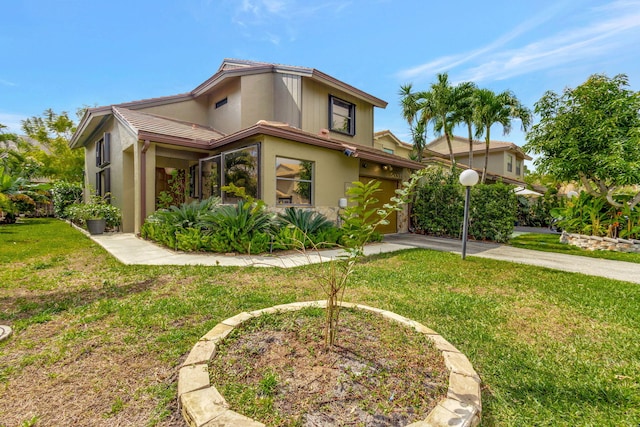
(591, 134)
(491, 108)
(52, 132)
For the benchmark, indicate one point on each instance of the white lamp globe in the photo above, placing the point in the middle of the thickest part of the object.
(572, 194)
(469, 178)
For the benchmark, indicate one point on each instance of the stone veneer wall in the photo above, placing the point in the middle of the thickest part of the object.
(595, 243)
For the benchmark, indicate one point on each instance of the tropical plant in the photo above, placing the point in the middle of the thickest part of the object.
(296, 228)
(491, 108)
(591, 134)
(463, 114)
(417, 118)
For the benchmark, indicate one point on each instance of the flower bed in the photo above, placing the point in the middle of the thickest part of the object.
(595, 243)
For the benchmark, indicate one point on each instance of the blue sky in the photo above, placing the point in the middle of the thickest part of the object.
(64, 54)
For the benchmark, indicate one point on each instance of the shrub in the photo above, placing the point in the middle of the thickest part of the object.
(65, 194)
(492, 212)
(298, 228)
(244, 228)
(97, 208)
(439, 208)
(23, 203)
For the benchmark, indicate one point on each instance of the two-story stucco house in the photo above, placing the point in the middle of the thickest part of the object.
(291, 136)
(506, 159)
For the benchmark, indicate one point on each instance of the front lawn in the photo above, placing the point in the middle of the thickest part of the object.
(551, 243)
(99, 343)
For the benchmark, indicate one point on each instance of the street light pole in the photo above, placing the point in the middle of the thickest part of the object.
(468, 179)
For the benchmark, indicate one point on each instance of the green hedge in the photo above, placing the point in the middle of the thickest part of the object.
(439, 209)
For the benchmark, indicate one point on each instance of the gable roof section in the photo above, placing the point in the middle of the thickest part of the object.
(163, 129)
(388, 134)
(236, 67)
(478, 147)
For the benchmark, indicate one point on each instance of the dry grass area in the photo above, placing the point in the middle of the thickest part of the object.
(277, 370)
(97, 343)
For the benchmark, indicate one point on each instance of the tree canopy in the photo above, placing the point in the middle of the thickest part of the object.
(52, 133)
(590, 134)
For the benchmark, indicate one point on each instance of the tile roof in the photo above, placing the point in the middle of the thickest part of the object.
(153, 124)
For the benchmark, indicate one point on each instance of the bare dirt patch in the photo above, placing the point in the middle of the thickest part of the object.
(275, 369)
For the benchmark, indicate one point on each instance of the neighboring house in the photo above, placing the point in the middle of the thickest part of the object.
(506, 160)
(292, 136)
(386, 141)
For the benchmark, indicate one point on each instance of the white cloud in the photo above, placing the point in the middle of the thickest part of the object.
(285, 16)
(609, 28)
(4, 82)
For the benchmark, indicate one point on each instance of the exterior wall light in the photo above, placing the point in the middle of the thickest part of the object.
(468, 179)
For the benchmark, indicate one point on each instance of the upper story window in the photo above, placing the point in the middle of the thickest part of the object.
(294, 181)
(518, 167)
(221, 103)
(509, 163)
(103, 151)
(387, 150)
(342, 116)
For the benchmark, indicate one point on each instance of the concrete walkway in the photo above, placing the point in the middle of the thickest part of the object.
(129, 249)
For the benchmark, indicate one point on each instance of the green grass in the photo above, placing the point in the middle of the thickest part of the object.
(552, 348)
(551, 243)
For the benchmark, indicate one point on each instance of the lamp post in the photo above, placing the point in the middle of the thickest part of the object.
(468, 179)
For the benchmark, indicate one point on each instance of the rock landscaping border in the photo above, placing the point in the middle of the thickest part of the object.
(202, 405)
(595, 243)
(5, 332)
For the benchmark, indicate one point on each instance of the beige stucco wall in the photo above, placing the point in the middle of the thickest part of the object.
(193, 110)
(333, 172)
(227, 118)
(315, 113)
(257, 99)
(387, 142)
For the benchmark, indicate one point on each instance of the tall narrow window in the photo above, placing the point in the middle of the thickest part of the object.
(241, 170)
(294, 181)
(509, 163)
(342, 116)
(210, 178)
(518, 167)
(103, 150)
(237, 167)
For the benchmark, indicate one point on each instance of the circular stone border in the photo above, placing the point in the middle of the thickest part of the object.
(202, 405)
(5, 332)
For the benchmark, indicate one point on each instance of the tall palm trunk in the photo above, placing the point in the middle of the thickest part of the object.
(451, 156)
(470, 145)
(486, 155)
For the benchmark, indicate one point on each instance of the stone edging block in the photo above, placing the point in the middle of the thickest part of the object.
(5, 332)
(202, 405)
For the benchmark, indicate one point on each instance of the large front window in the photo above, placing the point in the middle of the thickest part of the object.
(294, 181)
(342, 116)
(237, 167)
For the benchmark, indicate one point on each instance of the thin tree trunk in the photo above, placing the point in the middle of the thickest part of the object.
(470, 146)
(451, 156)
(486, 155)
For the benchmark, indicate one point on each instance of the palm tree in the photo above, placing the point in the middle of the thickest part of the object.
(466, 98)
(443, 105)
(417, 116)
(491, 108)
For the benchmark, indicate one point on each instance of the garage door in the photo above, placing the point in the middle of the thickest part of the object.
(388, 188)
